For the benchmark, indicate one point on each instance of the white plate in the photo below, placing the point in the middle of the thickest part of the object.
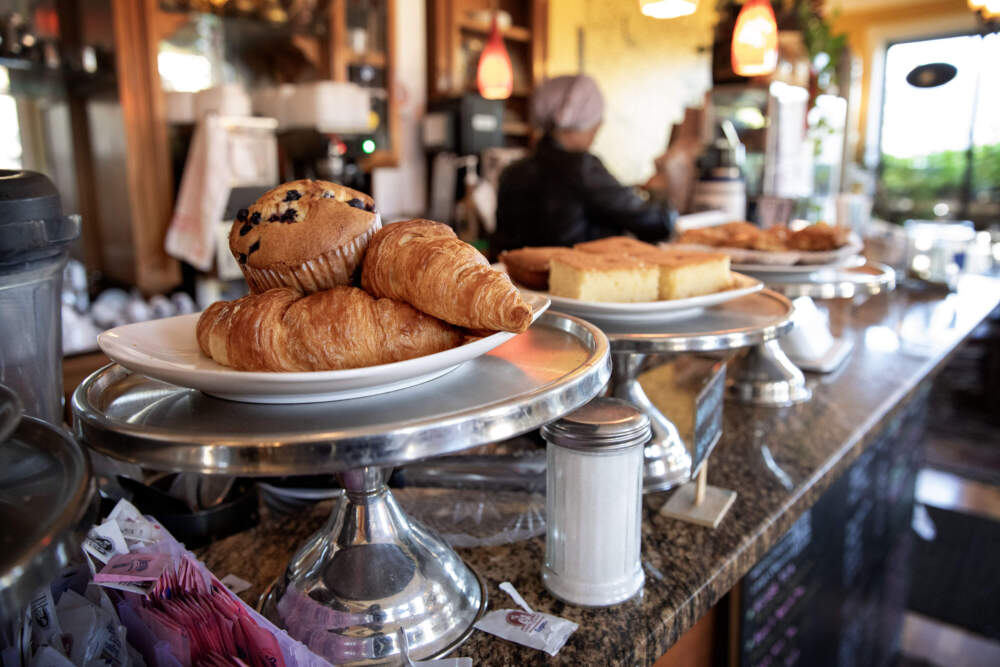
(649, 312)
(850, 262)
(167, 350)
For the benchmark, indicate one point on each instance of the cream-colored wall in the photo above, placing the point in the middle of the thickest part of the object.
(648, 69)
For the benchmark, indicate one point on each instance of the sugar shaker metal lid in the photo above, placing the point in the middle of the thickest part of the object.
(604, 424)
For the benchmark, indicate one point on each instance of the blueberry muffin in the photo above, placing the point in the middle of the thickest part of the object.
(310, 235)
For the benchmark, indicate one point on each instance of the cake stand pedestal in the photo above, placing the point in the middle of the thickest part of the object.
(810, 345)
(372, 581)
(750, 320)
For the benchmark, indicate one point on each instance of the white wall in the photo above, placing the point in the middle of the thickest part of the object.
(400, 192)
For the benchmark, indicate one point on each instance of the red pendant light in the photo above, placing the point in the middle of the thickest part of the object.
(494, 75)
(755, 39)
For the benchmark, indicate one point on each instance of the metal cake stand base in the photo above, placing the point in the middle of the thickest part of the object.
(748, 320)
(373, 584)
(667, 460)
(766, 376)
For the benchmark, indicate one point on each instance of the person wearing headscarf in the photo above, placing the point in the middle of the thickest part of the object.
(561, 193)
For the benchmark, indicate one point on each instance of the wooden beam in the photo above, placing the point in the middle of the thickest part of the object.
(150, 192)
(539, 41)
(71, 25)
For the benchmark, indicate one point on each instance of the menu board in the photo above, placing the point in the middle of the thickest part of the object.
(832, 591)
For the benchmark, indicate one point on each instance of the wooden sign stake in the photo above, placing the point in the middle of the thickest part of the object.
(697, 502)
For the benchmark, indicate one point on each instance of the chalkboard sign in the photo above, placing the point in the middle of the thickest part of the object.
(832, 590)
(708, 417)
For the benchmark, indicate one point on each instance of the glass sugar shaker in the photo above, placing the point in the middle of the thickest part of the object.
(594, 503)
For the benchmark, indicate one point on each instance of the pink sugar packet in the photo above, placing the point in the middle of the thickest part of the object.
(133, 567)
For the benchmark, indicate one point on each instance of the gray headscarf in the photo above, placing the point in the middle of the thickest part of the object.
(567, 103)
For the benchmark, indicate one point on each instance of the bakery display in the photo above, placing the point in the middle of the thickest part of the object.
(310, 235)
(424, 264)
(619, 269)
(593, 277)
(530, 266)
(306, 246)
(779, 238)
(343, 327)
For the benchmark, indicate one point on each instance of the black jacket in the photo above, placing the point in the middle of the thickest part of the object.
(557, 197)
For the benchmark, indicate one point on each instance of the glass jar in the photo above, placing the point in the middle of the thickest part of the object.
(594, 503)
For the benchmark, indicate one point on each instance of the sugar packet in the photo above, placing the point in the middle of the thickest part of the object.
(527, 627)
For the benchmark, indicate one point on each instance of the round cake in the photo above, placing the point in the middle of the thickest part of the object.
(310, 235)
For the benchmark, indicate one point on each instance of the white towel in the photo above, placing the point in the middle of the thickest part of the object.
(203, 195)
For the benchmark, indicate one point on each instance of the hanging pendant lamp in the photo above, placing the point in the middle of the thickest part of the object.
(494, 75)
(667, 9)
(755, 40)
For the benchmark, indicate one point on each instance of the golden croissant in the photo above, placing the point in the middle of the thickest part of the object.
(424, 264)
(343, 327)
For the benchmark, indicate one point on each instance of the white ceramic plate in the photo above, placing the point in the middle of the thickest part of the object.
(167, 350)
(850, 262)
(649, 312)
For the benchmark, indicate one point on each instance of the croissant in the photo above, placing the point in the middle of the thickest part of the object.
(424, 264)
(343, 327)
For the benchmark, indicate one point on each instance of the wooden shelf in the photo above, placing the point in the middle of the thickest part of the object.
(514, 33)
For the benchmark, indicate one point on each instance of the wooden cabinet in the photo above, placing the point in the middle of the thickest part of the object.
(457, 32)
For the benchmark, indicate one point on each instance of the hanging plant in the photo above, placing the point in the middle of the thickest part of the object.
(825, 48)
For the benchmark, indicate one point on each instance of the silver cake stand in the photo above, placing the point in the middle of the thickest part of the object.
(46, 493)
(371, 579)
(766, 375)
(750, 320)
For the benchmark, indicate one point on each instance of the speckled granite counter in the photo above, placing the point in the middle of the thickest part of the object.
(779, 460)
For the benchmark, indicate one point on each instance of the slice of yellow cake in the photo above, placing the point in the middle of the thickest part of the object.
(589, 277)
(686, 274)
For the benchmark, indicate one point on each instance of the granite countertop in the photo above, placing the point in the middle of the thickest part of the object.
(779, 460)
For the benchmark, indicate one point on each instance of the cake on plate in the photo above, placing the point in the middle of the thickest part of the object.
(591, 277)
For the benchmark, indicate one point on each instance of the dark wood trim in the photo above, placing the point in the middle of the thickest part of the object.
(71, 24)
(150, 183)
(696, 647)
(540, 41)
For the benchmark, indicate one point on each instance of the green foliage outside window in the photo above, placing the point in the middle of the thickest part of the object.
(923, 181)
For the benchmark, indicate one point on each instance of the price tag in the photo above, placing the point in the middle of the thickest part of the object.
(708, 418)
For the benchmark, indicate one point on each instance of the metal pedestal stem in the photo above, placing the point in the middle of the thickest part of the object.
(766, 376)
(372, 579)
(668, 462)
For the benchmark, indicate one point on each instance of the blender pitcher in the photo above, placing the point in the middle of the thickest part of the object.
(34, 240)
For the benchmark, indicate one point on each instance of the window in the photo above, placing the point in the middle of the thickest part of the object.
(940, 147)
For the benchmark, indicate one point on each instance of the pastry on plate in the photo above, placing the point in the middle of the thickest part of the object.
(529, 266)
(736, 235)
(338, 328)
(592, 277)
(424, 264)
(685, 274)
(310, 235)
(819, 237)
(614, 245)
